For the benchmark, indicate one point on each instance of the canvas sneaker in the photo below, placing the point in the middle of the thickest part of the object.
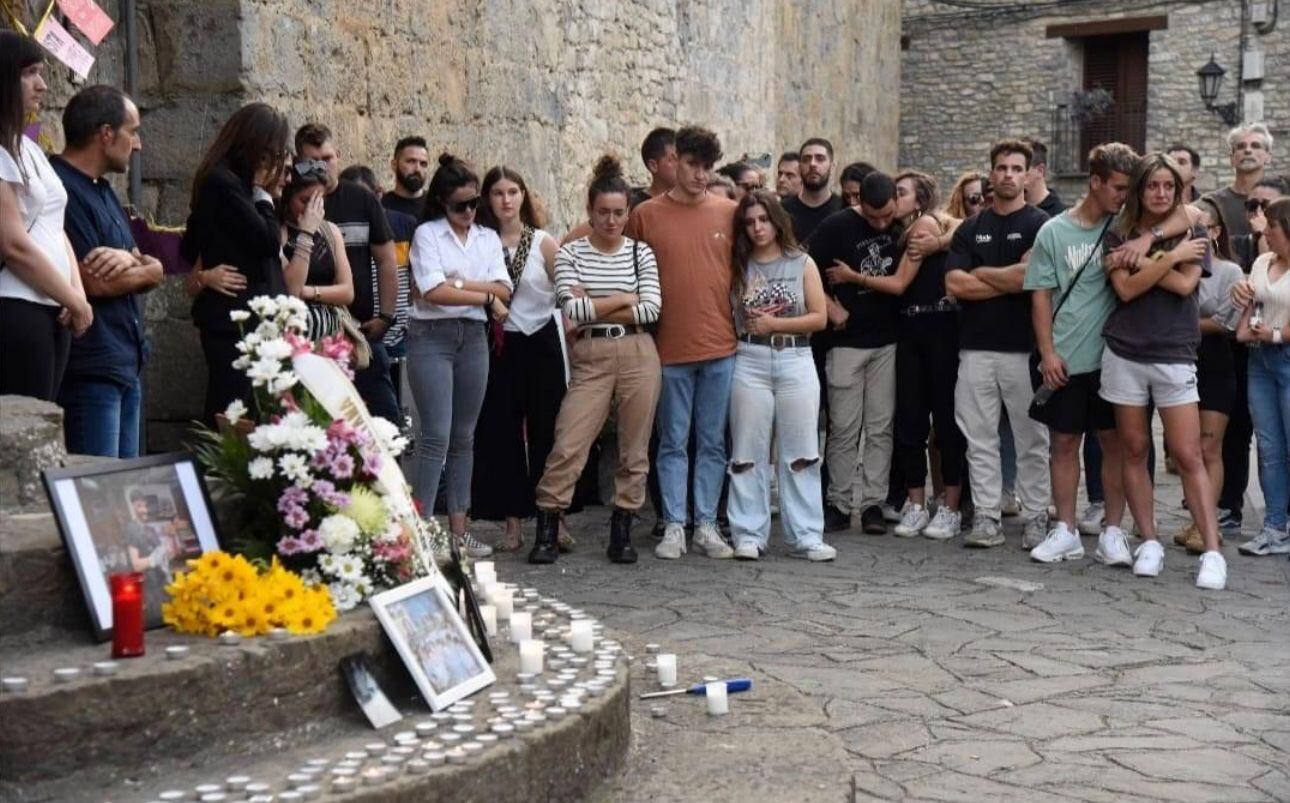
(1213, 572)
(1061, 544)
(1268, 542)
(985, 533)
(673, 544)
(945, 524)
(815, 553)
(1091, 522)
(708, 539)
(1036, 530)
(1113, 548)
(913, 521)
(472, 547)
(1229, 521)
(747, 550)
(1148, 559)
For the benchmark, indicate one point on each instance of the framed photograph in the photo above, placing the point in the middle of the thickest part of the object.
(433, 641)
(147, 515)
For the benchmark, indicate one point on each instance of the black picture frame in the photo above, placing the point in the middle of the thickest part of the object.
(107, 511)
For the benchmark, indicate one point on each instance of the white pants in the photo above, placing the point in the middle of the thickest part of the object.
(988, 382)
(862, 398)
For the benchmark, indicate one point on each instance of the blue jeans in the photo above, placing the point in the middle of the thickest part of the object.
(698, 392)
(448, 374)
(775, 391)
(101, 418)
(1269, 390)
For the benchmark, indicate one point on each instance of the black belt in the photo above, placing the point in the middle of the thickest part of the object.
(946, 304)
(612, 331)
(778, 341)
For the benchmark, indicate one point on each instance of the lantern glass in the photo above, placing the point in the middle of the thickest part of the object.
(1211, 78)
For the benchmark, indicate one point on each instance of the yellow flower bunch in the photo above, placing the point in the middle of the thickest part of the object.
(227, 592)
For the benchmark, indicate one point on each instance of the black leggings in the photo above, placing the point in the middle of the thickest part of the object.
(927, 368)
(224, 383)
(33, 349)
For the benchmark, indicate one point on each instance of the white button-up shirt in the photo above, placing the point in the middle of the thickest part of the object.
(438, 256)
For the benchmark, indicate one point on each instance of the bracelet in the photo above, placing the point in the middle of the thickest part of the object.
(489, 298)
(317, 292)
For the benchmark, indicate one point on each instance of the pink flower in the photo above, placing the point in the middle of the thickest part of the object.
(295, 517)
(342, 466)
(310, 541)
(290, 546)
(337, 348)
(372, 463)
(299, 345)
(341, 433)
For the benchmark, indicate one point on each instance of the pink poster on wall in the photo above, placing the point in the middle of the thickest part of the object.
(88, 17)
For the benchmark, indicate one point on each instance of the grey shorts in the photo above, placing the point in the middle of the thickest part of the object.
(1134, 384)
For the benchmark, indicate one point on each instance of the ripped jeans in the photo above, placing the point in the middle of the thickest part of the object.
(775, 391)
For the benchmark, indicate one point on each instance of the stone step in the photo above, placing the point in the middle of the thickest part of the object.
(40, 597)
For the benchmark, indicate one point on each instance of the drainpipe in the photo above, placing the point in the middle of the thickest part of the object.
(132, 89)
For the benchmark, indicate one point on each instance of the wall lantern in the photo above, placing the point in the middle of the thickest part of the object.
(1211, 79)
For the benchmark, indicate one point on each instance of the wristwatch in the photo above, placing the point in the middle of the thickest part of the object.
(385, 316)
(458, 284)
(1157, 233)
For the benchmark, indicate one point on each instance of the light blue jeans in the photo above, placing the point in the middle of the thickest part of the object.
(1269, 389)
(775, 391)
(698, 393)
(448, 374)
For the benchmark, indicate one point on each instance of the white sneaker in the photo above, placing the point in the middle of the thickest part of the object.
(673, 544)
(472, 547)
(1113, 548)
(913, 521)
(945, 524)
(1148, 559)
(891, 514)
(747, 550)
(1213, 572)
(1267, 542)
(1091, 522)
(1061, 544)
(708, 538)
(818, 552)
(1035, 531)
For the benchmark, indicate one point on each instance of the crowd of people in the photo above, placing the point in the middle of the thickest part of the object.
(816, 351)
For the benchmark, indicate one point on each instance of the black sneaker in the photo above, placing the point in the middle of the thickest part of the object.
(835, 520)
(872, 522)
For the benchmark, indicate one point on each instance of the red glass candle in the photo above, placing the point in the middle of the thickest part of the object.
(127, 614)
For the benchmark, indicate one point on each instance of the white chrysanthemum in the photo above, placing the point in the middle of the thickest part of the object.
(349, 568)
(239, 316)
(261, 468)
(263, 305)
(311, 577)
(263, 371)
(344, 596)
(277, 349)
(387, 434)
(364, 588)
(327, 563)
(295, 468)
(268, 330)
(282, 383)
(338, 532)
(235, 411)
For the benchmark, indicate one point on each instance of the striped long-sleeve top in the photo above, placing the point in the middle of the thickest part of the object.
(579, 264)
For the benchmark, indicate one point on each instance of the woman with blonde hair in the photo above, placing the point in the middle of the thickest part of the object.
(968, 196)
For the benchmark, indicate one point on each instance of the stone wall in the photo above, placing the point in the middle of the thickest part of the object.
(970, 77)
(545, 86)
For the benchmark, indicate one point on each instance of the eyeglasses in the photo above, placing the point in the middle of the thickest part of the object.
(1255, 205)
(308, 167)
(462, 207)
(975, 200)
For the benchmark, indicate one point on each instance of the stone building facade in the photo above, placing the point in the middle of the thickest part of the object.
(1003, 68)
(545, 86)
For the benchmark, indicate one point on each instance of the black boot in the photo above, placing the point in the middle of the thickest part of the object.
(546, 540)
(620, 537)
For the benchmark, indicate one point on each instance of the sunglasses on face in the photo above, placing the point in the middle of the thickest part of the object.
(975, 200)
(462, 207)
(1255, 205)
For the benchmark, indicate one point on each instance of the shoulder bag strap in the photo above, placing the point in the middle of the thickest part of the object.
(1096, 246)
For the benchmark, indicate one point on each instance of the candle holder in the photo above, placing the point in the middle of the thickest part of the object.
(126, 589)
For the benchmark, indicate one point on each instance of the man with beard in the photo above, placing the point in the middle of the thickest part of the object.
(815, 202)
(411, 166)
(1251, 151)
(788, 175)
(984, 271)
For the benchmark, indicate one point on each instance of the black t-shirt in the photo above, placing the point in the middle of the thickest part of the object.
(362, 223)
(638, 195)
(1052, 205)
(847, 236)
(807, 218)
(991, 240)
(408, 206)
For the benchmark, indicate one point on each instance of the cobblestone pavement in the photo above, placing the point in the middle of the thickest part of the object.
(914, 670)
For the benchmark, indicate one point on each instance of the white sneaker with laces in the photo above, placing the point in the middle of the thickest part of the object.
(747, 550)
(1213, 572)
(816, 553)
(1060, 544)
(891, 514)
(1091, 522)
(1267, 542)
(1148, 559)
(913, 521)
(472, 547)
(945, 524)
(1113, 548)
(672, 546)
(708, 539)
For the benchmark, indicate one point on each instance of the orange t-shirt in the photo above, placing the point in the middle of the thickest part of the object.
(692, 243)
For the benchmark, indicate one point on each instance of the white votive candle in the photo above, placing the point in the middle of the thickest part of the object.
(580, 635)
(485, 569)
(176, 652)
(666, 669)
(504, 602)
(718, 704)
(489, 614)
(531, 655)
(67, 674)
(521, 626)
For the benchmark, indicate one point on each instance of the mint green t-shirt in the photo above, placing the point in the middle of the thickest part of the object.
(1061, 247)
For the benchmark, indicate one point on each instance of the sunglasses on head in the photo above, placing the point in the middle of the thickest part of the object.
(309, 167)
(1253, 205)
(462, 207)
